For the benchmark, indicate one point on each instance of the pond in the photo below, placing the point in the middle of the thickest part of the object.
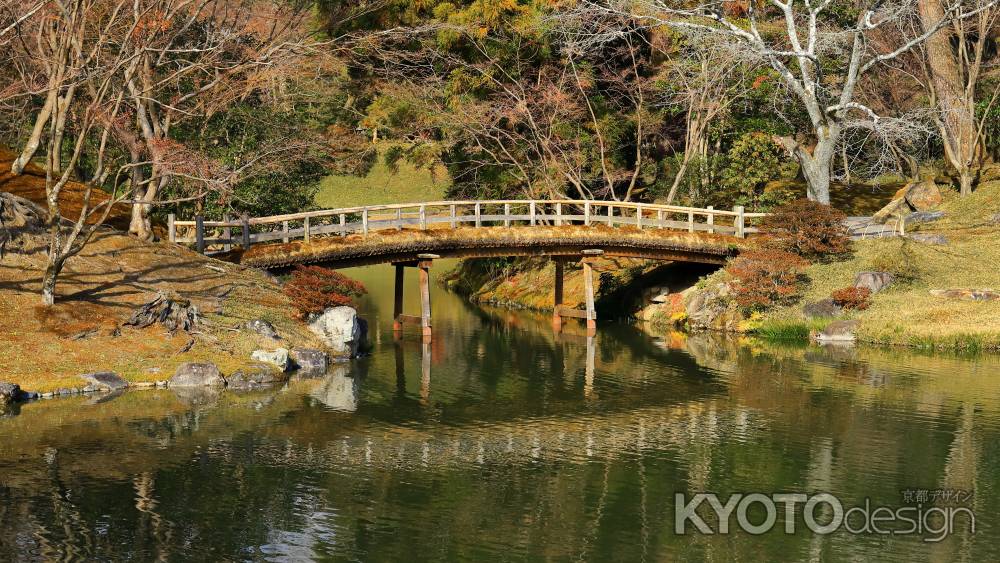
(500, 440)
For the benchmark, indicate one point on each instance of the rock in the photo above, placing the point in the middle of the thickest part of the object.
(822, 309)
(967, 294)
(9, 393)
(340, 329)
(929, 238)
(874, 281)
(310, 361)
(924, 196)
(918, 217)
(995, 220)
(895, 207)
(707, 309)
(18, 216)
(660, 298)
(277, 358)
(254, 376)
(106, 380)
(263, 328)
(197, 375)
(837, 331)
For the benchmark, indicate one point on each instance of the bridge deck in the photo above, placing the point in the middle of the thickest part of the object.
(351, 236)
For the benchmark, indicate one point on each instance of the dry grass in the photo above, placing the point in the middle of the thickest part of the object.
(907, 313)
(485, 241)
(43, 349)
(31, 186)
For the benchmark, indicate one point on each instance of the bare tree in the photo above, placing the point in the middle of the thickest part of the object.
(955, 59)
(826, 92)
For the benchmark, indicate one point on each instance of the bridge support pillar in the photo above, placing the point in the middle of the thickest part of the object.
(423, 265)
(559, 310)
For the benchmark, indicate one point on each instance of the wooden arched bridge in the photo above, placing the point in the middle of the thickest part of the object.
(414, 234)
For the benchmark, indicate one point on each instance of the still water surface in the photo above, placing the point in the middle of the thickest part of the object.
(502, 441)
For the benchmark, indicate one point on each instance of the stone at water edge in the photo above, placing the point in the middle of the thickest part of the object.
(837, 331)
(340, 328)
(874, 281)
(310, 361)
(197, 375)
(924, 196)
(263, 328)
(106, 380)
(822, 309)
(9, 393)
(278, 358)
(254, 376)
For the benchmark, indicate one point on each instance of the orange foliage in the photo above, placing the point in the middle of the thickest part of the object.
(764, 278)
(314, 289)
(858, 298)
(808, 229)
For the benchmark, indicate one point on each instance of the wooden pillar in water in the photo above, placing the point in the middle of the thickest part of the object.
(424, 267)
(397, 308)
(588, 284)
(557, 295)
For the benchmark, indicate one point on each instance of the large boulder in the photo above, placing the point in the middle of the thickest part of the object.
(837, 331)
(310, 361)
(254, 376)
(919, 217)
(278, 358)
(924, 195)
(9, 393)
(822, 309)
(340, 328)
(105, 380)
(197, 375)
(708, 309)
(263, 328)
(874, 281)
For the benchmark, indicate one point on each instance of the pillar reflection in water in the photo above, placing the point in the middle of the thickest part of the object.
(425, 370)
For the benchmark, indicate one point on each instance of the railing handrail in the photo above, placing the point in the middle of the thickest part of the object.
(400, 215)
(270, 219)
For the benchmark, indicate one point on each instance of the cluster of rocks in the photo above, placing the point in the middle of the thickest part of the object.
(967, 294)
(913, 197)
(827, 308)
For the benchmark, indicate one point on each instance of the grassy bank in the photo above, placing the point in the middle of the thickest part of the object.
(907, 313)
(47, 348)
(383, 185)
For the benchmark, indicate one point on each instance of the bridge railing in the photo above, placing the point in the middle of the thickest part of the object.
(246, 231)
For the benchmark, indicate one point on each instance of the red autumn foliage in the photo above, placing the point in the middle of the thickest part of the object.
(765, 278)
(858, 298)
(808, 229)
(314, 289)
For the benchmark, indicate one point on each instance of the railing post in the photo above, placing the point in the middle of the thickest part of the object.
(479, 221)
(199, 233)
(227, 233)
(531, 210)
(506, 215)
(399, 219)
(558, 214)
(284, 231)
(690, 221)
(364, 221)
(611, 214)
(423, 217)
(586, 213)
(246, 231)
(343, 225)
(711, 219)
(738, 223)
(659, 218)
(171, 228)
(453, 221)
(638, 215)
(305, 229)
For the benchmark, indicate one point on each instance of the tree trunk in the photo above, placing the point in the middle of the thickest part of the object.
(957, 112)
(817, 173)
(52, 271)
